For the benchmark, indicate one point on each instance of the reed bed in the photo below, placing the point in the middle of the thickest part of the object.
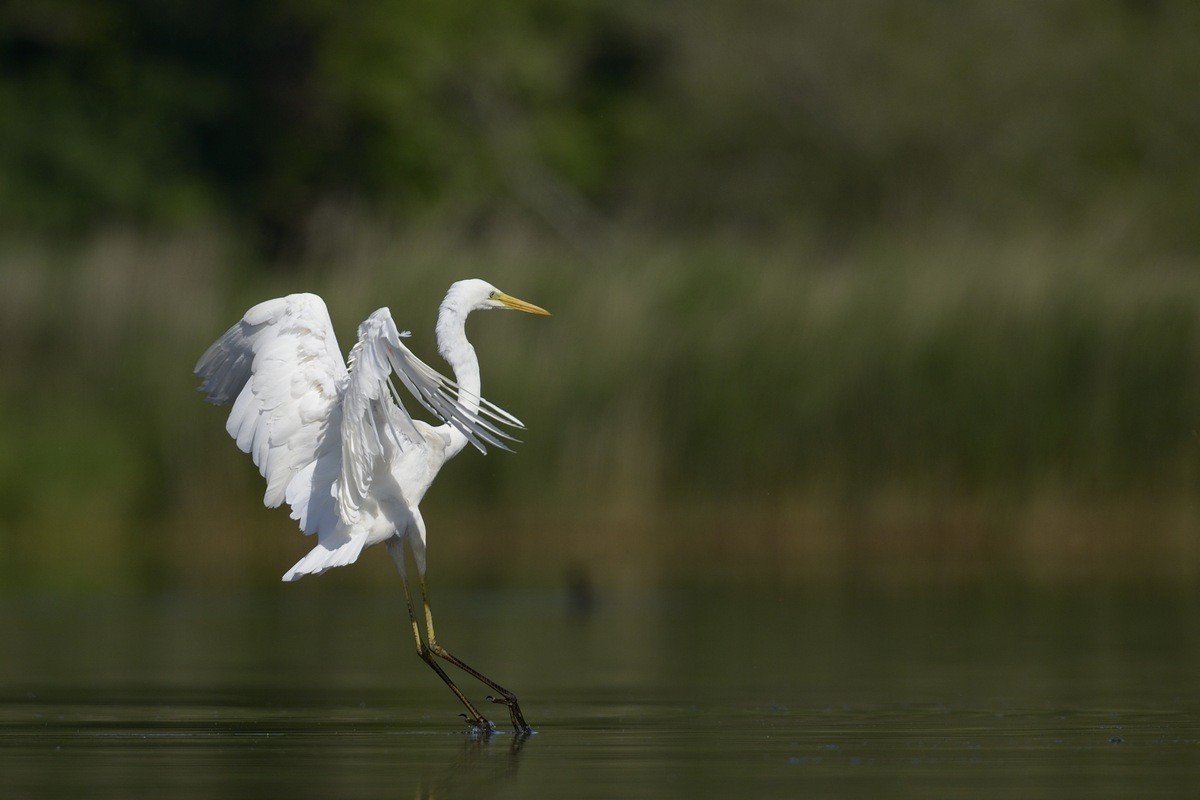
(930, 406)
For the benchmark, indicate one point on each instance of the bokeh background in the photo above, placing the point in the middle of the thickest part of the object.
(907, 291)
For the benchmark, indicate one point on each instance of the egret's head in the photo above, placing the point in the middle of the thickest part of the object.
(478, 295)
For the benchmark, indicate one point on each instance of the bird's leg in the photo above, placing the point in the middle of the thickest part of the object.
(506, 697)
(477, 720)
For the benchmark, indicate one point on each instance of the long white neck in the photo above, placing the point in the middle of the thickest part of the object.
(453, 345)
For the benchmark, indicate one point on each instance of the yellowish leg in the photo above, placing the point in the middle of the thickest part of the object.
(506, 697)
(476, 719)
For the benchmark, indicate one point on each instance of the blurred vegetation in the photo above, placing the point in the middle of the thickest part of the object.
(756, 116)
(855, 286)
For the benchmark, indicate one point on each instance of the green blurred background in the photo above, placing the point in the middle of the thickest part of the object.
(840, 289)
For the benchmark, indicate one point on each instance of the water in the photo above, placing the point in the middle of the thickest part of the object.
(839, 692)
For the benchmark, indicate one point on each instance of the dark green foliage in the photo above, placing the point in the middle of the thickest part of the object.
(170, 113)
(756, 116)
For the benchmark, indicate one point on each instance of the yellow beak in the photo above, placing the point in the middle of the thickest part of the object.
(521, 305)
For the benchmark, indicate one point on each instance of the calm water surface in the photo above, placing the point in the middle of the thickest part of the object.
(839, 692)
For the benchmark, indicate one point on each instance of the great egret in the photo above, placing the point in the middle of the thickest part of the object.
(338, 445)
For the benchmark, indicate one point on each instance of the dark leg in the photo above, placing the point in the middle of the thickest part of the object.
(506, 697)
(477, 720)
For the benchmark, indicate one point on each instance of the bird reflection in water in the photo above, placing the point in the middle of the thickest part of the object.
(485, 765)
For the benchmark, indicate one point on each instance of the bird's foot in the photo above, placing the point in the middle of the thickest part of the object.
(479, 726)
(520, 726)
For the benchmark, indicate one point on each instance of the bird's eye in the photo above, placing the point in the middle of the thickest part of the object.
(493, 295)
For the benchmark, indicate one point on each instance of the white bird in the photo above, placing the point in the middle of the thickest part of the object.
(337, 444)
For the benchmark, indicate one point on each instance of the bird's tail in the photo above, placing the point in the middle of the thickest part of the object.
(336, 552)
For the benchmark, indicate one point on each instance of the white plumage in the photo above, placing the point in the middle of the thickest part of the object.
(336, 443)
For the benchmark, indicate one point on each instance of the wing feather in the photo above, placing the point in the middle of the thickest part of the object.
(281, 367)
(376, 428)
(443, 398)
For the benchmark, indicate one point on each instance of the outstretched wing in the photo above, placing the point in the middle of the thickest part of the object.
(377, 429)
(281, 368)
